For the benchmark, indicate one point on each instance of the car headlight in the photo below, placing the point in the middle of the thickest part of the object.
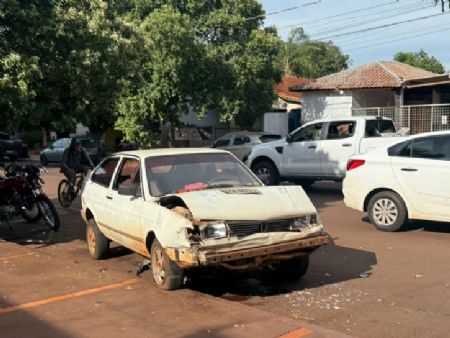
(304, 222)
(216, 230)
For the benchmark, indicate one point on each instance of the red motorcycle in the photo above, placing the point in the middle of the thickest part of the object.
(21, 194)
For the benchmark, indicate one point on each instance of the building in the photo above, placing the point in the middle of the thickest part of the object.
(413, 97)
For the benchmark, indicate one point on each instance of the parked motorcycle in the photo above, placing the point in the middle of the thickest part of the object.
(21, 194)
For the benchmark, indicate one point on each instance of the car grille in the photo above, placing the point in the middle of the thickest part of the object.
(246, 229)
(284, 225)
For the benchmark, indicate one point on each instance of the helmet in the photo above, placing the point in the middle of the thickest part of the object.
(74, 142)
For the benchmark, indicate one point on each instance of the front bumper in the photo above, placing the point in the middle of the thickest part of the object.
(246, 259)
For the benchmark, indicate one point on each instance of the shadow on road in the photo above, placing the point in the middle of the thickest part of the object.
(23, 233)
(24, 324)
(331, 264)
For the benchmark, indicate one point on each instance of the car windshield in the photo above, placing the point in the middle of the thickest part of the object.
(183, 173)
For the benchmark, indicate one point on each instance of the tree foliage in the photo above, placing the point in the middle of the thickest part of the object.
(300, 56)
(135, 63)
(420, 59)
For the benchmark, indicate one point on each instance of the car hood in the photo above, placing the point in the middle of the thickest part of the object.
(248, 203)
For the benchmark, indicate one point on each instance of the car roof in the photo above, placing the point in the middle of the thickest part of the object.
(170, 152)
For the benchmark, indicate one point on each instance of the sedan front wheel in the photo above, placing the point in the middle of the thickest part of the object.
(166, 274)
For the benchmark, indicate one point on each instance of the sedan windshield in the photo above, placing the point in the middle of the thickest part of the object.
(183, 173)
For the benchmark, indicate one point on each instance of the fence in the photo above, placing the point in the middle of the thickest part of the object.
(418, 118)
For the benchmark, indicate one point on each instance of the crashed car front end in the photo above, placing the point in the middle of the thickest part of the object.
(238, 238)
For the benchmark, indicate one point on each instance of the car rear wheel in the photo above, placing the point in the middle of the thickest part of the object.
(98, 244)
(166, 274)
(387, 211)
(266, 172)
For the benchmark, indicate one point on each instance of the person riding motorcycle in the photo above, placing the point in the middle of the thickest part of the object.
(75, 161)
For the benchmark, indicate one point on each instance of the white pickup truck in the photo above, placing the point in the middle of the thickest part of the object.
(319, 150)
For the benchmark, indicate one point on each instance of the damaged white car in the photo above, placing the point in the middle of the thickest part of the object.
(193, 208)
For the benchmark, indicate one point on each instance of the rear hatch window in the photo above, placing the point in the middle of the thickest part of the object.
(269, 138)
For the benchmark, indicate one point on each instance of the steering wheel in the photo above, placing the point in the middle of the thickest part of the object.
(225, 179)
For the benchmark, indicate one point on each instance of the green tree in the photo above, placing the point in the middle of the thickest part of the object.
(202, 53)
(300, 56)
(420, 59)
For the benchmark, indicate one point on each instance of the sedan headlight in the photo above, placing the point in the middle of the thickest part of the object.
(304, 222)
(216, 231)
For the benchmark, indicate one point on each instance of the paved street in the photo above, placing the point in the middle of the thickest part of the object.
(366, 283)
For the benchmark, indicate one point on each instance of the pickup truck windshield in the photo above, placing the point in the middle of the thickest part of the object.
(375, 128)
(183, 173)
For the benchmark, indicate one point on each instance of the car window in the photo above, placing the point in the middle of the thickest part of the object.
(129, 173)
(104, 173)
(309, 133)
(436, 147)
(239, 140)
(269, 138)
(222, 142)
(374, 128)
(61, 143)
(341, 129)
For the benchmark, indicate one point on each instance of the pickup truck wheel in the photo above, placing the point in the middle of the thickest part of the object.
(293, 269)
(166, 274)
(97, 243)
(387, 211)
(267, 173)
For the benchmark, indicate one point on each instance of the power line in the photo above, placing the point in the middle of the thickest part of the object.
(396, 40)
(364, 42)
(376, 19)
(382, 26)
(339, 15)
(283, 10)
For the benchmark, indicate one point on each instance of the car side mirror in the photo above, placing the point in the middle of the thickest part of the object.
(213, 145)
(290, 138)
(130, 190)
(52, 147)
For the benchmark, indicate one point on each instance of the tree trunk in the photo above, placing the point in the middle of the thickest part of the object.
(44, 138)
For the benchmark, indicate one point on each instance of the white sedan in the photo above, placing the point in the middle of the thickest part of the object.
(406, 180)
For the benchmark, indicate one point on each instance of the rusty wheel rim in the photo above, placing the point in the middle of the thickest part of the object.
(91, 240)
(158, 266)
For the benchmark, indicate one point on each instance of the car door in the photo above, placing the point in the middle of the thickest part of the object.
(422, 168)
(96, 191)
(240, 146)
(126, 210)
(56, 151)
(301, 155)
(337, 147)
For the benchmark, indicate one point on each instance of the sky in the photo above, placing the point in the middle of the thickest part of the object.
(336, 20)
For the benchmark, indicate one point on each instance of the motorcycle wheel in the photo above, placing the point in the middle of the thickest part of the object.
(31, 215)
(64, 195)
(48, 212)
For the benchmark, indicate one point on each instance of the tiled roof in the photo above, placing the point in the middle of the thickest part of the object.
(287, 82)
(380, 74)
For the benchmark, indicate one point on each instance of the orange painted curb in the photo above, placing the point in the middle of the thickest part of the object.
(65, 297)
(302, 332)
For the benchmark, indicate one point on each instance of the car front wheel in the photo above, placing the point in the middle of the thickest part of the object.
(387, 211)
(166, 274)
(266, 172)
(97, 243)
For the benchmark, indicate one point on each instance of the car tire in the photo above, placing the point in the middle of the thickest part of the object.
(266, 172)
(304, 182)
(387, 211)
(98, 244)
(166, 274)
(293, 269)
(44, 160)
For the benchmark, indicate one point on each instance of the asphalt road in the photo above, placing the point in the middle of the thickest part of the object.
(366, 283)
